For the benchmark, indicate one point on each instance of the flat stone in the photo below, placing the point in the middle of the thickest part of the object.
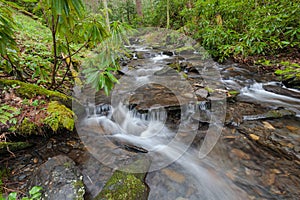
(173, 175)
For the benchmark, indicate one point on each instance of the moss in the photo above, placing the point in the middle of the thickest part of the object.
(27, 127)
(27, 90)
(233, 92)
(279, 113)
(175, 66)
(13, 146)
(79, 187)
(122, 186)
(209, 90)
(185, 50)
(59, 116)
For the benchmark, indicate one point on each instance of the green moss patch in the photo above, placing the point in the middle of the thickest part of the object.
(27, 127)
(13, 146)
(27, 90)
(122, 186)
(59, 116)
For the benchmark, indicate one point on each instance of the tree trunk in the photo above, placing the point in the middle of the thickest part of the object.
(106, 14)
(54, 68)
(168, 14)
(139, 9)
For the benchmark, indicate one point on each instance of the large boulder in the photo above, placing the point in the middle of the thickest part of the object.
(60, 179)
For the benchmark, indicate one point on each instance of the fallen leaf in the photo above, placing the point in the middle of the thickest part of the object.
(254, 137)
(292, 128)
(268, 125)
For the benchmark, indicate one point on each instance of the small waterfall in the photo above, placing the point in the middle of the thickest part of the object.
(151, 115)
(98, 110)
(257, 93)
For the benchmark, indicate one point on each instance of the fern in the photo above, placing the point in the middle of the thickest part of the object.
(7, 113)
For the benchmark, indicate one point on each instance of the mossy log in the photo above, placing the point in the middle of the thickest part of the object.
(13, 146)
(28, 90)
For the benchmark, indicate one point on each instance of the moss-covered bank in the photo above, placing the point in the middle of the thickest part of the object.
(27, 90)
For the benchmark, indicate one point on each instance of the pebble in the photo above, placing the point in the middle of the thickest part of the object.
(35, 160)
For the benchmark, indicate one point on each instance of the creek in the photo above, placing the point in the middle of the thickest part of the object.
(203, 141)
(154, 113)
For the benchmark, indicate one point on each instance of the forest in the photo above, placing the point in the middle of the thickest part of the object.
(218, 76)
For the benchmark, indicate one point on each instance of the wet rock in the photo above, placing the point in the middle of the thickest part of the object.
(173, 175)
(201, 93)
(282, 91)
(240, 154)
(273, 114)
(60, 179)
(233, 118)
(168, 53)
(292, 82)
(278, 141)
(165, 71)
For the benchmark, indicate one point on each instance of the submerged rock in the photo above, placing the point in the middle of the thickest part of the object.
(60, 179)
(282, 91)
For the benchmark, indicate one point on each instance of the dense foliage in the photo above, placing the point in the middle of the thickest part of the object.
(231, 27)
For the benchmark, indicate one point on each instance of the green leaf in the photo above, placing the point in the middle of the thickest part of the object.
(279, 72)
(112, 78)
(12, 196)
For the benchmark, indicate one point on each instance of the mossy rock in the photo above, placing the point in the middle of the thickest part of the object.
(128, 184)
(272, 114)
(27, 127)
(13, 146)
(59, 116)
(185, 50)
(27, 90)
(122, 186)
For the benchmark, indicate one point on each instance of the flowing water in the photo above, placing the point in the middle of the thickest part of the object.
(144, 125)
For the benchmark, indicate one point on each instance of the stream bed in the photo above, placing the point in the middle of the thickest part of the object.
(203, 141)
